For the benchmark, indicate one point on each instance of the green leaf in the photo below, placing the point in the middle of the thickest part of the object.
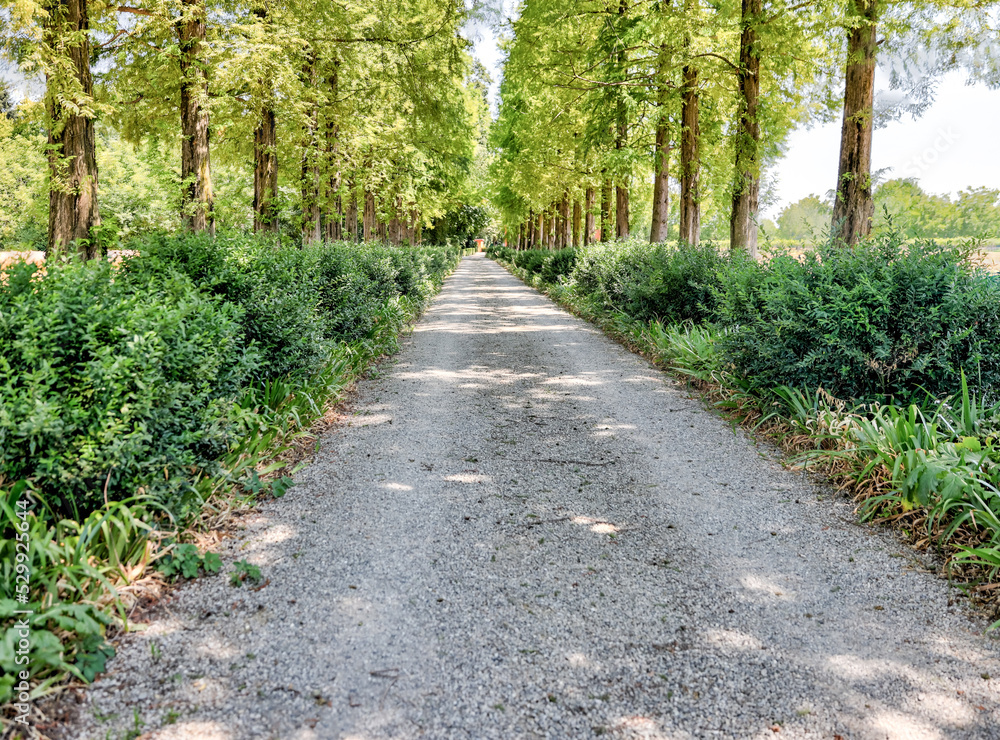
(212, 563)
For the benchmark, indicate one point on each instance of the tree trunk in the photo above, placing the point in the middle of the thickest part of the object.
(854, 206)
(352, 215)
(332, 230)
(690, 208)
(265, 173)
(333, 226)
(661, 185)
(590, 220)
(606, 211)
(621, 211)
(73, 211)
(567, 223)
(746, 189)
(311, 219)
(661, 155)
(368, 217)
(577, 222)
(196, 169)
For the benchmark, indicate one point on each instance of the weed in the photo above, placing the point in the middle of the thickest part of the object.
(244, 571)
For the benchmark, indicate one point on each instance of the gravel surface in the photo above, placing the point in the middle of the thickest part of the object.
(528, 532)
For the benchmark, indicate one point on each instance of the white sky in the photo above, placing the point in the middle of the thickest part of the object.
(952, 146)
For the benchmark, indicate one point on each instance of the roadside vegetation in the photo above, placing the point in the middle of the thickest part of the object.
(878, 365)
(141, 403)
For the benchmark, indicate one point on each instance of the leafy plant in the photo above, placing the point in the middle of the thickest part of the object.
(244, 571)
(185, 560)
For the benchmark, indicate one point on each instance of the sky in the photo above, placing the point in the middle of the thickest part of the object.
(950, 147)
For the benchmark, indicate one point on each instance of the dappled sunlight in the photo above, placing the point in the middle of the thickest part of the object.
(579, 660)
(636, 723)
(596, 525)
(184, 730)
(764, 586)
(893, 725)
(605, 429)
(731, 639)
(468, 478)
(396, 486)
(370, 420)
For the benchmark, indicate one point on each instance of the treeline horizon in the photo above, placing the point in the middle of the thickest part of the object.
(338, 120)
(608, 104)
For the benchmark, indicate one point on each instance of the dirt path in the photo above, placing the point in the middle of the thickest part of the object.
(527, 532)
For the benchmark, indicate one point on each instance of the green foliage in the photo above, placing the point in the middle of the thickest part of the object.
(108, 367)
(882, 320)
(648, 282)
(185, 560)
(808, 218)
(109, 386)
(903, 204)
(244, 571)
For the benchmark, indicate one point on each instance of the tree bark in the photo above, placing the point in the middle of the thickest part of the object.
(577, 221)
(567, 221)
(621, 141)
(265, 173)
(661, 185)
(73, 208)
(311, 217)
(332, 222)
(368, 217)
(606, 192)
(661, 155)
(690, 174)
(621, 212)
(854, 205)
(196, 169)
(746, 189)
(352, 215)
(590, 219)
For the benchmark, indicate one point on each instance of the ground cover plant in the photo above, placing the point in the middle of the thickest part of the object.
(132, 397)
(878, 364)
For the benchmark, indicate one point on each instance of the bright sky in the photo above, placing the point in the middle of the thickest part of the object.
(952, 146)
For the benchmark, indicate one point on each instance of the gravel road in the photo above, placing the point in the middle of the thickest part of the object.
(526, 531)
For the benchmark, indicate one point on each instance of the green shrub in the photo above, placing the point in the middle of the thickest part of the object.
(105, 389)
(661, 282)
(881, 320)
(558, 265)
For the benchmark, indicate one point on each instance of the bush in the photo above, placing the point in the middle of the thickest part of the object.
(108, 386)
(882, 320)
(115, 382)
(647, 282)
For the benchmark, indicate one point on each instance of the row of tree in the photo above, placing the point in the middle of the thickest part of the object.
(601, 96)
(974, 213)
(367, 111)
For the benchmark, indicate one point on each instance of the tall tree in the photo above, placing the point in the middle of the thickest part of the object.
(854, 204)
(69, 108)
(746, 189)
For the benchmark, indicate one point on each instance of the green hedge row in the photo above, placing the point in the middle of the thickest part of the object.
(115, 381)
(886, 320)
